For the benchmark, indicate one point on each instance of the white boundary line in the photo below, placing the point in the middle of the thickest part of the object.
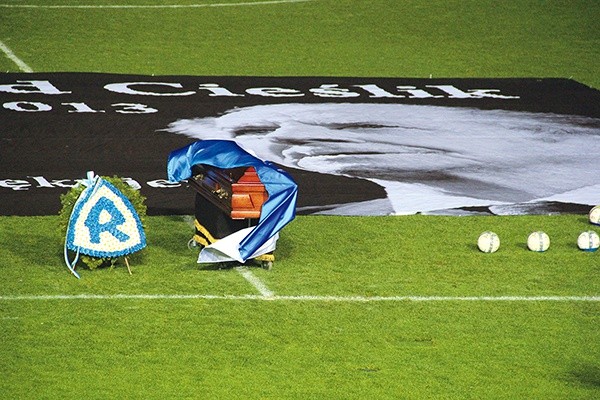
(340, 299)
(20, 63)
(153, 6)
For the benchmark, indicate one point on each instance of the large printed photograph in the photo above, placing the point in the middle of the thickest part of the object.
(355, 146)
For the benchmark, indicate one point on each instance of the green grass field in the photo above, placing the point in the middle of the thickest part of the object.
(355, 320)
(355, 307)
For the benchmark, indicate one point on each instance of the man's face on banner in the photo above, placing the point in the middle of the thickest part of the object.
(475, 157)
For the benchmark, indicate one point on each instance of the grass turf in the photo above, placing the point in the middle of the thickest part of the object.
(215, 348)
(376, 256)
(272, 350)
(304, 349)
(525, 38)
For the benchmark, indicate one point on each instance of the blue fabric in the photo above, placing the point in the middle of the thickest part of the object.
(277, 211)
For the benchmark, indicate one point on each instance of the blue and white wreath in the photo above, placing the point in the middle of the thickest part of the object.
(103, 223)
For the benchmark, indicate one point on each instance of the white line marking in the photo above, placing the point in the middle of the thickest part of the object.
(257, 283)
(20, 63)
(272, 297)
(124, 6)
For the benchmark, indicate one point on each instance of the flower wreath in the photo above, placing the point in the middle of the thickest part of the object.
(102, 221)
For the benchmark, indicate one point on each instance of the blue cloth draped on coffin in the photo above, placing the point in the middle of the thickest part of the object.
(277, 211)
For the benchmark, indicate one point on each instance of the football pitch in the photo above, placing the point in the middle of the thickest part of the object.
(399, 307)
(355, 307)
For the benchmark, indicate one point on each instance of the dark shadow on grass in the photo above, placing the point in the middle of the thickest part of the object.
(227, 266)
(585, 219)
(218, 266)
(473, 247)
(586, 375)
(35, 248)
(285, 247)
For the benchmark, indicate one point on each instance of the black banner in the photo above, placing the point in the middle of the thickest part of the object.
(355, 146)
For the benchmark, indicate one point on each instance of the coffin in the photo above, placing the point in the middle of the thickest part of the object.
(238, 192)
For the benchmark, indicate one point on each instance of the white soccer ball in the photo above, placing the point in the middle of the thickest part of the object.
(588, 241)
(538, 241)
(488, 242)
(595, 215)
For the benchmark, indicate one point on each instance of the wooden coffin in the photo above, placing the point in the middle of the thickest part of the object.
(238, 192)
